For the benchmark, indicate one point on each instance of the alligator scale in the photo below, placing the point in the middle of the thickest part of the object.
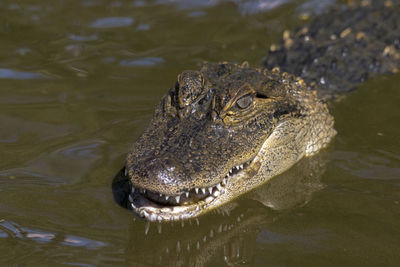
(227, 128)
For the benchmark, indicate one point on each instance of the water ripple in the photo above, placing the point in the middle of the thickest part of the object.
(142, 62)
(112, 22)
(19, 75)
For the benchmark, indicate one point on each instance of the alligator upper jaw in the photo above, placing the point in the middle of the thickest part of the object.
(154, 206)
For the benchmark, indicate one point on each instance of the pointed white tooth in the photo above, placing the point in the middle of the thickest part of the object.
(145, 213)
(159, 218)
(196, 190)
(160, 195)
(153, 217)
(237, 167)
(147, 228)
(216, 193)
(197, 208)
(166, 197)
(219, 186)
(227, 175)
(203, 190)
(130, 198)
(133, 190)
(126, 172)
(231, 171)
(210, 189)
(159, 228)
(224, 181)
(187, 194)
(177, 198)
(241, 166)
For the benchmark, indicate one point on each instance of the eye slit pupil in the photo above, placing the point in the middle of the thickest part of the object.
(244, 101)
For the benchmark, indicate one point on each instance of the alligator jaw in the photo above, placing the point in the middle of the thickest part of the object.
(154, 206)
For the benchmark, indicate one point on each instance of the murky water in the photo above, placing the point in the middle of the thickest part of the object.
(78, 83)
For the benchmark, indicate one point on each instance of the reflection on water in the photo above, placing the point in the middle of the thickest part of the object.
(10, 229)
(19, 75)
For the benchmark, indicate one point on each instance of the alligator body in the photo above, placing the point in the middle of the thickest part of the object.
(227, 128)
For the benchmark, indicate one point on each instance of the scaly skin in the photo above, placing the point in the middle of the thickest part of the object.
(227, 128)
(219, 133)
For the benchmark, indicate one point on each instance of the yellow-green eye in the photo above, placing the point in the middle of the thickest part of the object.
(244, 101)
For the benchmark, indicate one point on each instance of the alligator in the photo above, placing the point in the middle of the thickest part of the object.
(227, 128)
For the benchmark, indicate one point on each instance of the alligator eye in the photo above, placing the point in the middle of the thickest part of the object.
(244, 101)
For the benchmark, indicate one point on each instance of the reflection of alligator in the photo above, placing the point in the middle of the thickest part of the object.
(227, 128)
(230, 236)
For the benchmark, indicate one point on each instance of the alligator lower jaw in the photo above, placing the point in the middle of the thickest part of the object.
(153, 206)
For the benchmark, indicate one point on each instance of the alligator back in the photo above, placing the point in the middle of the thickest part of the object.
(337, 52)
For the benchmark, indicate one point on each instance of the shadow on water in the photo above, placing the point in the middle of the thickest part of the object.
(227, 235)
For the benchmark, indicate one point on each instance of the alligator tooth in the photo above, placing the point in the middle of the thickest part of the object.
(196, 190)
(197, 208)
(227, 175)
(187, 194)
(237, 167)
(147, 228)
(177, 199)
(153, 217)
(219, 186)
(133, 190)
(203, 190)
(130, 198)
(126, 172)
(209, 199)
(159, 228)
(159, 218)
(241, 166)
(224, 181)
(210, 189)
(216, 193)
(166, 197)
(145, 213)
(160, 195)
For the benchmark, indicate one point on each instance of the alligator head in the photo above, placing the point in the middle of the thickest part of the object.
(220, 132)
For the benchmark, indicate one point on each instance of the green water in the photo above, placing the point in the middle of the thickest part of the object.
(77, 89)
